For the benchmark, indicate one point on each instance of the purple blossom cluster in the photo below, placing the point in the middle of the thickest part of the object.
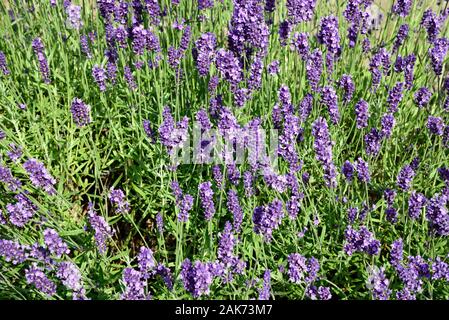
(268, 218)
(361, 240)
(39, 176)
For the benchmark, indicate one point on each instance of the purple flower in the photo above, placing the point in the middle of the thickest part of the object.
(320, 293)
(206, 196)
(130, 78)
(264, 292)
(372, 142)
(435, 125)
(170, 136)
(36, 276)
(387, 124)
(323, 151)
(99, 75)
(154, 11)
(378, 284)
(273, 68)
(226, 245)
(362, 170)
(84, 42)
(396, 253)
(440, 270)
(233, 173)
(284, 31)
(255, 78)
(405, 177)
(71, 277)
(229, 67)
(394, 97)
(416, 203)
(348, 87)
(362, 114)
(352, 214)
(3, 64)
(314, 68)
(54, 243)
(14, 154)
(329, 99)
(300, 10)
(160, 223)
(432, 25)
(437, 215)
(196, 277)
(205, 4)
(146, 260)
(297, 267)
(118, 199)
(22, 211)
(328, 34)
(437, 54)
(39, 176)
(218, 176)
(148, 130)
(248, 180)
(74, 17)
(402, 7)
(80, 112)
(348, 170)
(300, 43)
(268, 218)
(305, 107)
(205, 52)
(236, 210)
(401, 36)
(38, 48)
(134, 285)
(101, 228)
(360, 241)
(13, 251)
(422, 97)
(389, 196)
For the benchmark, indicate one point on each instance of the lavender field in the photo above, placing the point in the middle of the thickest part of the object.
(224, 149)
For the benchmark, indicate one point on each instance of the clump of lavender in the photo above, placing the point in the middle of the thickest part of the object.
(99, 75)
(80, 112)
(305, 107)
(148, 130)
(235, 208)
(71, 277)
(7, 177)
(401, 36)
(146, 261)
(204, 52)
(362, 114)
(268, 218)
(437, 54)
(301, 269)
(435, 125)
(416, 203)
(74, 16)
(440, 270)
(329, 99)
(328, 34)
(379, 284)
(323, 151)
(273, 68)
(196, 277)
(38, 48)
(314, 68)
(348, 170)
(206, 196)
(300, 10)
(405, 177)
(264, 292)
(362, 170)
(348, 86)
(134, 285)
(394, 97)
(360, 241)
(422, 97)
(84, 42)
(21, 211)
(320, 293)
(402, 7)
(54, 243)
(39, 176)
(14, 154)
(36, 276)
(387, 124)
(183, 201)
(432, 25)
(160, 223)
(372, 142)
(118, 199)
(228, 66)
(102, 229)
(300, 43)
(3, 65)
(437, 215)
(170, 135)
(13, 251)
(130, 78)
